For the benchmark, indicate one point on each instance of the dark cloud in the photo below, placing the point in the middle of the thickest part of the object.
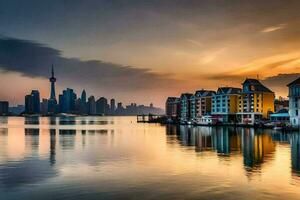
(34, 60)
(281, 80)
(125, 83)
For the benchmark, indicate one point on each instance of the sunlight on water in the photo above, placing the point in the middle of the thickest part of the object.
(116, 158)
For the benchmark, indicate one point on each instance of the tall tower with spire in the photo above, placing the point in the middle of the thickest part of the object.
(52, 81)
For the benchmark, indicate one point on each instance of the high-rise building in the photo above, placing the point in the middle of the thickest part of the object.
(83, 96)
(112, 106)
(32, 102)
(101, 106)
(4, 107)
(44, 106)
(91, 105)
(83, 104)
(67, 101)
(294, 102)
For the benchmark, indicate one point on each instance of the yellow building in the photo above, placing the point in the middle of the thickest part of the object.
(256, 102)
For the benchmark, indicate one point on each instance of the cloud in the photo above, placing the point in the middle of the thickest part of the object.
(281, 80)
(273, 28)
(32, 59)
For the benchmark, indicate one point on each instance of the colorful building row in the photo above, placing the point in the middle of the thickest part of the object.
(245, 105)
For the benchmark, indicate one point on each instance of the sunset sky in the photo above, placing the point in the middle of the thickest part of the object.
(143, 51)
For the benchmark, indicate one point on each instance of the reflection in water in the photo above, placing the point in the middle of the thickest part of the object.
(295, 150)
(3, 131)
(108, 157)
(52, 146)
(67, 139)
(67, 120)
(225, 141)
(32, 120)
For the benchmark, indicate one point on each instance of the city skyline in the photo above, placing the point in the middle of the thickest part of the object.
(68, 102)
(127, 50)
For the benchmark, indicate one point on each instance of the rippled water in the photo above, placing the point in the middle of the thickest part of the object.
(116, 158)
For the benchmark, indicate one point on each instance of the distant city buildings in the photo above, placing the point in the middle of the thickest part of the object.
(4, 108)
(32, 102)
(69, 103)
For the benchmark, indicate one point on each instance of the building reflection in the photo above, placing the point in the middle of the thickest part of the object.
(295, 153)
(67, 120)
(3, 131)
(67, 139)
(32, 140)
(3, 120)
(256, 147)
(52, 152)
(203, 139)
(33, 120)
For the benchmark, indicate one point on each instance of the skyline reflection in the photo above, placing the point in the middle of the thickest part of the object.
(90, 155)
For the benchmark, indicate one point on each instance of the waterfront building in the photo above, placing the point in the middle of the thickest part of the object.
(101, 106)
(255, 102)
(294, 102)
(67, 101)
(91, 105)
(282, 116)
(172, 107)
(201, 103)
(32, 102)
(185, 105)
(224, 104)
(4, 107)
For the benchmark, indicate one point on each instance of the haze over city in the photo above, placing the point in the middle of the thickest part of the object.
(144, 51)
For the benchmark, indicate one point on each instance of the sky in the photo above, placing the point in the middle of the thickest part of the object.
(143, 51)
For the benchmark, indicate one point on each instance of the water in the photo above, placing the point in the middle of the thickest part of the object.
(116, 158)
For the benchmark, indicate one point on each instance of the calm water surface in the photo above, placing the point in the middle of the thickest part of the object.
(116, 158)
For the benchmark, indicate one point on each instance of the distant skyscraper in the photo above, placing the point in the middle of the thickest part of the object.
(44, 106)
(91, 105)
(102, 106)
(83, 96)
(4, 107)
(112, 106)
(67, 101)
(32, 102)
(52, 81)
(36, 101)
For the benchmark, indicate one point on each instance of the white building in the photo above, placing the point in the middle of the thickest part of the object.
(294, 102)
